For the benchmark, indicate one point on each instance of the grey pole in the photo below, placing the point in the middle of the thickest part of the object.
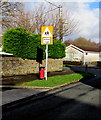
(60, 23)
(46, 62)
(60, 18)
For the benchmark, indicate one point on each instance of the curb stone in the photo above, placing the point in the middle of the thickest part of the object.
(42, 88)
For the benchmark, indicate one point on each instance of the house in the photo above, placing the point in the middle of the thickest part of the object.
(74, 53)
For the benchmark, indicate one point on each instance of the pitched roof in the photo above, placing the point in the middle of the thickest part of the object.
(75, 48)
(85, 49)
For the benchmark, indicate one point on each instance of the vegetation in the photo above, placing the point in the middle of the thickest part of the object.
(14, 15)
(84, 44)
(22, 44)
(16, 41)
(9, 12)
(55, 80)
(57, 50)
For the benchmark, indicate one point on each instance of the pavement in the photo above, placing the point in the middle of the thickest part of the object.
(18, 95)
(13, 95)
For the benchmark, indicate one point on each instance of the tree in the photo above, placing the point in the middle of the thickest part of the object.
(64, 25)
(32, 21)
(40, 16)
(68, 42)
(84, 44)
(9, 12)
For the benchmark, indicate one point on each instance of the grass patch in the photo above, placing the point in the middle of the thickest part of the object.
(55, 80)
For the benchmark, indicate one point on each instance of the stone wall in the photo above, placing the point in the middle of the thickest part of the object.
(17, 66)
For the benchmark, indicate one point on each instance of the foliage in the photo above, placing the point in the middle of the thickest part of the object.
(57, 50)
(84, 44)
(16, 41)
(19, 42)
(82, 41)
(14, 15)
(9, 12)
(34, 44)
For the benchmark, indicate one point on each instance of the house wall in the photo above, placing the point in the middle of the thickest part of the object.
(92, 57)
(73, 54)
(0, 49)
(17, 66)
(99, 56)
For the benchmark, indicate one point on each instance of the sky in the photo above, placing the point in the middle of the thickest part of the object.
(84, 11)
(87, 14)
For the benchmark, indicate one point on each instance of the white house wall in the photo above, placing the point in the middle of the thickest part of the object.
(100, 56)
(91, 57)
(73, 54)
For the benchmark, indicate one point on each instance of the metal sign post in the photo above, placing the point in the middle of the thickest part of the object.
(46, 62)
(46, 39)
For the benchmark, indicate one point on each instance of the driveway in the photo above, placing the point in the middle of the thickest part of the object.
(93, 70)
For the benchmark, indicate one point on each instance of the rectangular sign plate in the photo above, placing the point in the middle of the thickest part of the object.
(46, 35)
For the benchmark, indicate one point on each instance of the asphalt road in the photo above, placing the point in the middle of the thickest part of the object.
(78, 102)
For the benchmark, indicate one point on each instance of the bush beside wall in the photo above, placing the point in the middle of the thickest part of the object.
(16, 41)
(22, 44)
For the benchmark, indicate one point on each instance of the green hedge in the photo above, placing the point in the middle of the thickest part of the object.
(22, 44)
(34, 44)
(57, 50)
(16, 41)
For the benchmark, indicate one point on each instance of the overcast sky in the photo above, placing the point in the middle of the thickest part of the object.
(85, 11)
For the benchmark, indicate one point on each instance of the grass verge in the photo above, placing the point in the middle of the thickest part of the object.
(56, 80)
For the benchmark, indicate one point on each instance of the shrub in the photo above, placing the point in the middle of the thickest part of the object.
(34, 45)
(16, 41)
(19, 42)
(57, 50)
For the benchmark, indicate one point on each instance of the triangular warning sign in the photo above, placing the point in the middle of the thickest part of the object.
(47, 33)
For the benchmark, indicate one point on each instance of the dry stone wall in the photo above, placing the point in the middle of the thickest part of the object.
(16, 66)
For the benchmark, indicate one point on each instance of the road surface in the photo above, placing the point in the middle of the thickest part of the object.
(75, 102)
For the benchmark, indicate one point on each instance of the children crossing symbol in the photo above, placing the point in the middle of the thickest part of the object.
(47, 33)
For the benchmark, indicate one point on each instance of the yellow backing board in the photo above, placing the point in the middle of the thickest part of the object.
(46, 35)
